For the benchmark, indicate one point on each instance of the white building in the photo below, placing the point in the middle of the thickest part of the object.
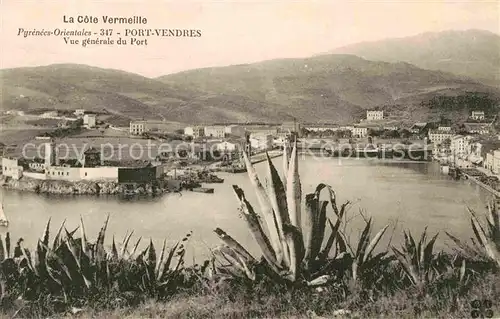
(139, 127)
(496, 162)
(477, 115)
(478, 128)
(359, 131)
(194, 131)
(79, 112)
(444, 128)
(261, 141)
(89, 120)
(49, 114)
(373, 115)
(11, 168)
(461, 145)
(321, 128)
(226, 147)
(437, 136)
(391, 128)
(215, 131)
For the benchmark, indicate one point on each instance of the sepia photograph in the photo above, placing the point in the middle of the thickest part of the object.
(249, 159)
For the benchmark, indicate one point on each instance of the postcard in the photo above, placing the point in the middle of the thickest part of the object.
(249, 159)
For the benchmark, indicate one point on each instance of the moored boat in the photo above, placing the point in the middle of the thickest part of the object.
(3, 218)
(203, 190)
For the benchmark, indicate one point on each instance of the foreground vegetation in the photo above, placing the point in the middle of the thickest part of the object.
(308, 267)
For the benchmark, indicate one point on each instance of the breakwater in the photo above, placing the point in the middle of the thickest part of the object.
(77, 188)
(476, 180)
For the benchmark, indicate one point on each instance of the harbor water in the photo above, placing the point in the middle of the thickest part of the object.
(409, 195)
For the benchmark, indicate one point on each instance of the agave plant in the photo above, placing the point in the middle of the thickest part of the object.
(362, 259)
(417, 259)
(74, 269)
(486, 243)
(292, 250)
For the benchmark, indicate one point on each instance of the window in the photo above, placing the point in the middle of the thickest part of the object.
(67, 173)
(85, 173)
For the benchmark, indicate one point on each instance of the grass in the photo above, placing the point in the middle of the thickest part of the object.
(231, 302)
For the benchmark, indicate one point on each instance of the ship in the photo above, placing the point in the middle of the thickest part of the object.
(3, 218)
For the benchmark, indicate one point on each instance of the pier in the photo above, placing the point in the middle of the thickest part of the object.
(475, 175)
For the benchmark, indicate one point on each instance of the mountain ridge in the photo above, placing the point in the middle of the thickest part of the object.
(474, 53)
(337, 88)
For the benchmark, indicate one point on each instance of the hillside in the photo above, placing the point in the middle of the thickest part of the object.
(328, 87)
(472, 53)
(125, 95)
(334, 88)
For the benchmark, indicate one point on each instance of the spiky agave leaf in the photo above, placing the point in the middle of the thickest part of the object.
(277, 197)
(285, 162)
(408, 267)
(125, 244)
(296, 246)
(256, 229)
(374, 242)
(100, 251)
(266, 209)
(160, 265)
(2, 250)
(233, 244)
(335, 234)
(114, 250)
(83, 237)
(486, 242)
(315, 224)
(293, 189)
(470, 251)
(493, 220)
(57, 239)
(135, 247)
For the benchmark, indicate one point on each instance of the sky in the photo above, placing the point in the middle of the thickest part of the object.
(233, 32)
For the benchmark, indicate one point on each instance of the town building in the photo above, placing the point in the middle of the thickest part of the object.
(37, 164)
(215, 131)
(374, 115)
(461, 145)
(391, 128)
(49, 114)
(226, 147)
(321, 127)
(477, 115)
(438, 136)
(418, 127)
(358, 131)
(488, 163)
(50, 153)
(11, 168)
(194, 131)
(89, 120)
(496, 162)
(140, 127)
(235, 130)
(477, 128)
(91, 158)
(79, 112)
(444, 128)
(261, 141)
